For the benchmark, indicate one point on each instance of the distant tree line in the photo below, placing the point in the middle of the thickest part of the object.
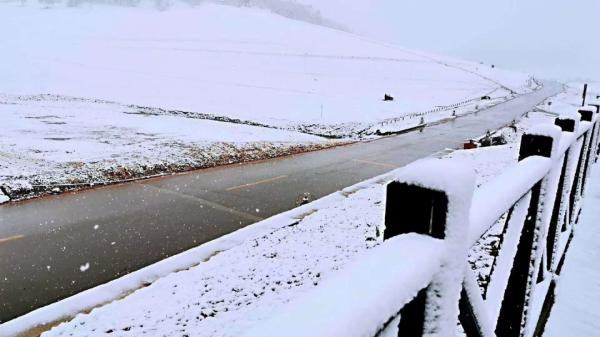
(287, 8)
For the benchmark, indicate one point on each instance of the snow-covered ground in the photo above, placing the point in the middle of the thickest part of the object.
(575, 312)
(98, 93)
(246, 283)
(58, 142)
(240, 62)
(238, 288)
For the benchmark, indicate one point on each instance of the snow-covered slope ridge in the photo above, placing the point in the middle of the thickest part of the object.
(239, 62)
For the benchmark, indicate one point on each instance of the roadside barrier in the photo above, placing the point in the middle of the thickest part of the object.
(417, 282)
(532, 83)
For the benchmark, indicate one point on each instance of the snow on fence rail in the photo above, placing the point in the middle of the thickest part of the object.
(418, 282)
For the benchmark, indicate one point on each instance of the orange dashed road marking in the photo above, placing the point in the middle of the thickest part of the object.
(255, 183)
(375, 163)
(11, 238)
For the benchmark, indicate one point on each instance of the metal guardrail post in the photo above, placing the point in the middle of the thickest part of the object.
(514, 309)
(418, 206)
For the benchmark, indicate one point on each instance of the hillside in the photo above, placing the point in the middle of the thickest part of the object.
(94, 84)
(239, 62)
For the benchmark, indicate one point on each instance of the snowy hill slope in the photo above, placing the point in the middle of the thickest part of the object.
(89, 85)
(239, 62)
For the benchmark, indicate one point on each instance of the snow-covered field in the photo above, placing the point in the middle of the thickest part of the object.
(240, 62)
(53, 142)
(249, 282)
(98, 93)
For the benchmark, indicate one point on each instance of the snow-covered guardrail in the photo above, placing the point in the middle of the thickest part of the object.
(418, 283)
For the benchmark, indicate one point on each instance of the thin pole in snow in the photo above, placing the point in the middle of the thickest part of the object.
(584, 93)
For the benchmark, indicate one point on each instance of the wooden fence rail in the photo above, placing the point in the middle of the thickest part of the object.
(433, 216)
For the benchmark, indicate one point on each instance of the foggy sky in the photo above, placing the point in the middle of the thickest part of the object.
(550, 39)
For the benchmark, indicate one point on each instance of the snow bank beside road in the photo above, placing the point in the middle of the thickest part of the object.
(60, 142)
(3, 198)
(260, 268)
(365, 293)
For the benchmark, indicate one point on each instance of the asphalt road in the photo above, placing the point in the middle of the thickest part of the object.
(47, 244)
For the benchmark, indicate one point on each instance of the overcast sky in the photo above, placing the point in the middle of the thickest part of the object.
(549, 38)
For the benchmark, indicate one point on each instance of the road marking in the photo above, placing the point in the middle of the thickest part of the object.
(11, 238)
(231, 210)
(209, 203)
(255, 183)
(375, 163)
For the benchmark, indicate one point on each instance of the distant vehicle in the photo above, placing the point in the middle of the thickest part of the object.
(490, 140)
(485, 98)
(387, 97)
(470, 145)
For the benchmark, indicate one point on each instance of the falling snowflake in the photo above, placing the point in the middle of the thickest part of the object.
(84, 267)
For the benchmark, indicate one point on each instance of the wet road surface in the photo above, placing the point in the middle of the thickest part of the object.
(53, 247)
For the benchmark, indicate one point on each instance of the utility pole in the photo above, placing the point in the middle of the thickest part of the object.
(584, 94)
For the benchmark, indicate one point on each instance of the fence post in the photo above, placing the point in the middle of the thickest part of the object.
(514, 310)
(593, 150)
(591, 137)
(586, 115)
(568, 123)
(596, 150)
(433, 197)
